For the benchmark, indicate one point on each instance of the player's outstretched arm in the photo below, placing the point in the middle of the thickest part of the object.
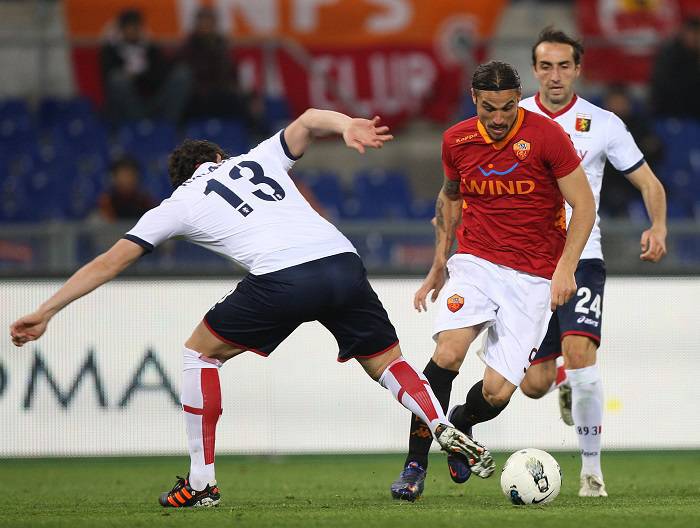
(358, 133)
(653, 240)
(577, 192)
(94, 274)
(448, 208)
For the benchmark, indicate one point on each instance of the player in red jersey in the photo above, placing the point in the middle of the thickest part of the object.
(507, 174)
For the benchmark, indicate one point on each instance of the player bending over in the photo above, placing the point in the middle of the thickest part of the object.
(301, 268)
(507, 174)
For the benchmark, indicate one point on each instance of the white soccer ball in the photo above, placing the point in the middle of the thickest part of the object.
(531, 476)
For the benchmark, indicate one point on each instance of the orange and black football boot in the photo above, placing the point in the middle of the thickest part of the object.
(183, 496)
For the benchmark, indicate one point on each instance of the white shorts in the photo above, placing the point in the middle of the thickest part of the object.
(513, 304)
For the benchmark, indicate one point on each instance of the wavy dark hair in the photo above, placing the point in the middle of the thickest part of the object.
(189, 155)
(495, 76)
(551, 34)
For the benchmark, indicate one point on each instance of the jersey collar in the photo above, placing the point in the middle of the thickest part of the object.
(498, 145)
(559, 112)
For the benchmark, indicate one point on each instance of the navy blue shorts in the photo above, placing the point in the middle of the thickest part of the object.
(582, 315)
(265, 309)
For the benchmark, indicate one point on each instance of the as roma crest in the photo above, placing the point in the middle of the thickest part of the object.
(521, 149)
(455, 302)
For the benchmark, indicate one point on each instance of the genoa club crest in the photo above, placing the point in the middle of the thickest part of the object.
(583, 123)
(455, 302)
(521, 149)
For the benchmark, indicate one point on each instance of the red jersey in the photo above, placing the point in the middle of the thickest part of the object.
(512, 212)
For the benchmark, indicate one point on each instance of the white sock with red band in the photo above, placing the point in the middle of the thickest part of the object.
(561, 378)
(413, 391)
(587, 411)
(201, 403)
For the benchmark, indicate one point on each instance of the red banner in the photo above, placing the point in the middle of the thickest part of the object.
(394, 57)
(622, 36)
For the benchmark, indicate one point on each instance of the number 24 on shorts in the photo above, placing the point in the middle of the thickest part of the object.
(594, 306)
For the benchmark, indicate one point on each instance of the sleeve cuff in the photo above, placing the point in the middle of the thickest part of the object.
(285, 147)
(634, 167)
(147, 246)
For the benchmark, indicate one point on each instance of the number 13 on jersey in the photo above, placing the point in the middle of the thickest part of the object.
(257, 178)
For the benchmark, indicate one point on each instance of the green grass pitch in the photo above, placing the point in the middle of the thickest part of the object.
(647, 489)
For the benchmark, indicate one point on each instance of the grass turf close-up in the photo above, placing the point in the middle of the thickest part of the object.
(647, 489)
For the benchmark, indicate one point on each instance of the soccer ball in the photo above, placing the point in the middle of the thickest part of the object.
(531, 476)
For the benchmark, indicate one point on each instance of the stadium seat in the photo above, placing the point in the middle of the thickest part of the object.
(326, 188)
(422, 209)
(78, 135)
(277, 113)
(55, 110)
(146, 138)
(382, 194)
(17, 132)
(230, 135)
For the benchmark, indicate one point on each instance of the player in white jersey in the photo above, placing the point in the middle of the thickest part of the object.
(575, 328)
(301, 268)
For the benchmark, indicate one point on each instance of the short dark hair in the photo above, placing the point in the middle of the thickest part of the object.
(551, 34)
(129, 17)
(189, 155)
(495, 76)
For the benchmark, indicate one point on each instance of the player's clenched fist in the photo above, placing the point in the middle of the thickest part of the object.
(563, 287)
(28, 328)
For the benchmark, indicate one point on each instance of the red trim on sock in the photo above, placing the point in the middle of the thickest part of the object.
(233, 343)
(192, 410)
(211, 398)
(384, 351)
(414, 386)
(561, 375)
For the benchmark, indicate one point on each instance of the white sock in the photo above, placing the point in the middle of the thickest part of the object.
(201, 403)
(587, 411)
(413, 391)
(560, 379)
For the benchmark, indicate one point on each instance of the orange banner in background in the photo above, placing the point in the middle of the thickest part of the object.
(324, 23)
(402, 58)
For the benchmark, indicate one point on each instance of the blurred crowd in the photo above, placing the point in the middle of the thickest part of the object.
(192, 89)
(199, 80)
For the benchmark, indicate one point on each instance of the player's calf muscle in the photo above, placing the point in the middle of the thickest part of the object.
(539, 379)
(578, 351)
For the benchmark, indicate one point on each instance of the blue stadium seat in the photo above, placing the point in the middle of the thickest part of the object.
(17, 132)
(14, 200)
(230, 135)
(54, 110)
(80, 197)
(423, 209)
(13, 108)
(277, 113)
(382, 194)
(146, 138)
(157, 184)
(79, 135)
(326, 188)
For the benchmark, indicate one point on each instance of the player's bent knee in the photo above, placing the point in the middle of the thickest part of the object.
(450, 355)
(499, 399)
(532, 390)
(376, 366)
(205, 343)
(536, 384)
